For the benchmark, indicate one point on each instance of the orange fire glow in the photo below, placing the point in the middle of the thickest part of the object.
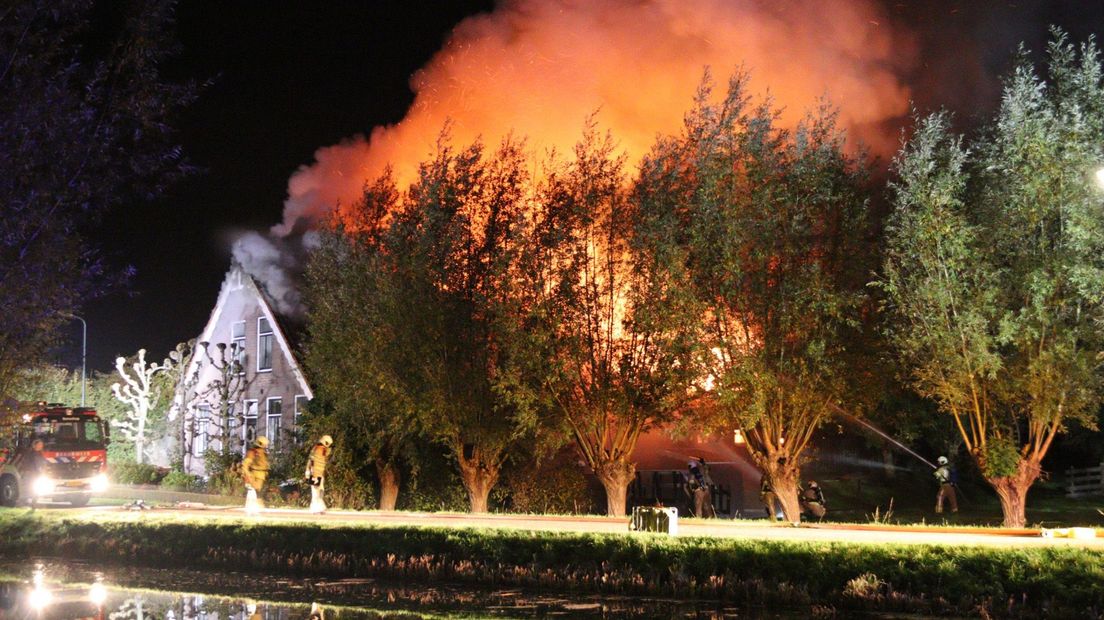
(540, 67)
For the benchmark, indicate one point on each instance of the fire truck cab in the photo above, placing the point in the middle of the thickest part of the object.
(73, 462)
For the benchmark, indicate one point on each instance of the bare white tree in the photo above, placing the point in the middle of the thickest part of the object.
(223, 392)
(140, 395)
(184, 392)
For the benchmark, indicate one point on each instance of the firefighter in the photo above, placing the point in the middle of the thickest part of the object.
(812, 500)
(36, 467)
(945, 477)
(701, 488)
(767, 496)
(316, 472)
(254, 472)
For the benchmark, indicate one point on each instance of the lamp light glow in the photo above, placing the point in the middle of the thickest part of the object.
(43, 485)
(99, 483)
(97, 594)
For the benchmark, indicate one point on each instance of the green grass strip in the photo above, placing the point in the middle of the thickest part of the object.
(1057, 581)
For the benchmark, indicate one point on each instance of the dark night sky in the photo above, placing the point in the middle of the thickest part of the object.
(289, 78)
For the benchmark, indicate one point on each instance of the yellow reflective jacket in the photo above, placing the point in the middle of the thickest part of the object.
(316, 466)
(255, 468)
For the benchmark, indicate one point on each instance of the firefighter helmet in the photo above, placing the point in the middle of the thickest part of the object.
(941, 460)
(326, 440)
(262, 442)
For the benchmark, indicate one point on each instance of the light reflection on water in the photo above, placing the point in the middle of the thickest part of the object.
(58, 591)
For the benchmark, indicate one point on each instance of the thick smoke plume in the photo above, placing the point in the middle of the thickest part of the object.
(276, 264)
(540, 67)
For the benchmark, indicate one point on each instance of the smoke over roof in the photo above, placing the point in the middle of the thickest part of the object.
(540, 67)
(276, 264)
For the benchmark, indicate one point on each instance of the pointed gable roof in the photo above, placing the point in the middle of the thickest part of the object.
(238, 280)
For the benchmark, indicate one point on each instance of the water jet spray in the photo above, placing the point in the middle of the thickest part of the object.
(885, 436)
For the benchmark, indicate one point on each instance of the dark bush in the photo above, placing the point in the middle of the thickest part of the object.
(555, 485)
(136, 473)
(223, 472)
(180, 481)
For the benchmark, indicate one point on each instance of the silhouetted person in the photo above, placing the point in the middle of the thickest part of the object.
(701, 488)
(812, 500)
(768, 496)
(36, 467)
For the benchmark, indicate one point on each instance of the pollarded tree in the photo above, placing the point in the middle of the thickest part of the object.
(183, 387)
(454, 245)
(994, 272)
(352, 349)
(223, 392)
(140, 392)
(590, 340)
(765, 227)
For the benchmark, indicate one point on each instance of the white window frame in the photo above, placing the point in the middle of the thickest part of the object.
(251, 404)
(273, 437)
(200, 430)
(271, 335)
(239, 352)
(300, 398)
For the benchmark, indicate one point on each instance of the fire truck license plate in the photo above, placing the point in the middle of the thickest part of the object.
(74, 483)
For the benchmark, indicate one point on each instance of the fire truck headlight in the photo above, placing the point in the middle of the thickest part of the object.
(99, 483)
(97, 594)
(43, 486)
(40, 598)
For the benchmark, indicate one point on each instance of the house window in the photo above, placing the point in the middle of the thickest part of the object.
(200, 430)
(275, 407)
(249, 428)
(300, 407)
(264, 344)
(237, 343)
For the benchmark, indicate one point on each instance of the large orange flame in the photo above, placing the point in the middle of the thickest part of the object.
(540, 67)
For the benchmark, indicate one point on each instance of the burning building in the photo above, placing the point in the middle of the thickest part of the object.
(244, 381)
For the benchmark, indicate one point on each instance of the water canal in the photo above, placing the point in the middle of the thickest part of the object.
(54, 590)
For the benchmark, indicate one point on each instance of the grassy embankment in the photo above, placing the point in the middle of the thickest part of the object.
(867, 498)
(1058, 581)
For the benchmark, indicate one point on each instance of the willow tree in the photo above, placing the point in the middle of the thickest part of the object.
(607, 368)
(454, 243)
(995, 269)
(764, 227)
(352, 349)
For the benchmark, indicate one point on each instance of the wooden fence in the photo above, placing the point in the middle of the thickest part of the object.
(1084, 481)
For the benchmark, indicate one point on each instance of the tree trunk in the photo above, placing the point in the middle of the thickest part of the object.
(888, 467)
(138, 449)
(479, 478)
(1012, 491)
(784, 481)
(616, 478)
(389, 484)
(786, 489)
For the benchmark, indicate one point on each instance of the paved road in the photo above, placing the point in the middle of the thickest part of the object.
(694, 527)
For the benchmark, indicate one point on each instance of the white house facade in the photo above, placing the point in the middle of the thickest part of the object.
(244, 381)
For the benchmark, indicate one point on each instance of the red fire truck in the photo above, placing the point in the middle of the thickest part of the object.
(74, 456)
